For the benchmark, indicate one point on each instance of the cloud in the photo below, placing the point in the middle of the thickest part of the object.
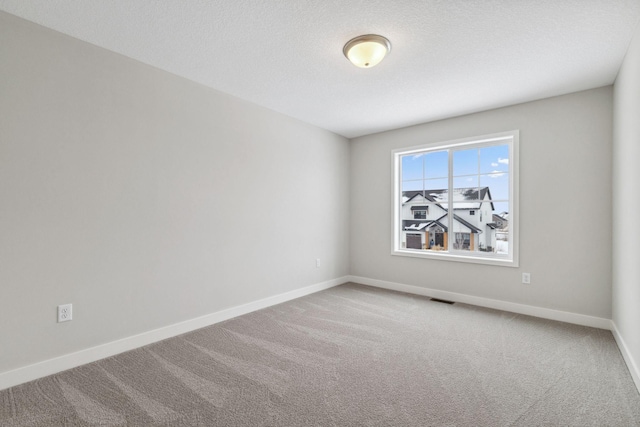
(417, 156)
(503, 161)
(496, 174)
(494, 165)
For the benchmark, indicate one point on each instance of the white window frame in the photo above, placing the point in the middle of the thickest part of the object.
(510, 138)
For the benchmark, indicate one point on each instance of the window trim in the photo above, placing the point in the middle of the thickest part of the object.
(512, 260)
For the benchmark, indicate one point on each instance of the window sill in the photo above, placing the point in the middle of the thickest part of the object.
(448, 256)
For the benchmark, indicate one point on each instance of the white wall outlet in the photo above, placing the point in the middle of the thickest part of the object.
(65, 312)
(317, 262)
(526, 278)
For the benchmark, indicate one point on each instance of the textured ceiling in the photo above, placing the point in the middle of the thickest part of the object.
(448, 57)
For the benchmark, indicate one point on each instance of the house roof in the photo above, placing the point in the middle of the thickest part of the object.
(410, 195)
(463, 198)
(413, 225)
(408, 225)
(418, 225)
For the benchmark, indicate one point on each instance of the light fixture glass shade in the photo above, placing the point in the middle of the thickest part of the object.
(366, 51)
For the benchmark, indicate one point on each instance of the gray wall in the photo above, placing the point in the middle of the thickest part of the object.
(626, 204)
(145, 199)
(565, 206)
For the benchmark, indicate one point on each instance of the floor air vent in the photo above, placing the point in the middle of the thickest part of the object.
(444, 301)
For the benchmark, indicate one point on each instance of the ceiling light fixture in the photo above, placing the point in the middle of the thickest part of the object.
(367, 51)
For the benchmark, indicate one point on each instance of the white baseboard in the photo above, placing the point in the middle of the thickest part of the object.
(72, 360)
(626, 354)
(545, 313)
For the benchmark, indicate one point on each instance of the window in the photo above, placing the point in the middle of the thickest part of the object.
(463, 241)
(437, 190)
(419, 212)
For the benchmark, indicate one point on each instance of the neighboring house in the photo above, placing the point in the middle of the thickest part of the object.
(502, 221)
(425, 220)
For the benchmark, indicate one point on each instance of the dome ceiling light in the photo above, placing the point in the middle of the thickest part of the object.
(367, 51)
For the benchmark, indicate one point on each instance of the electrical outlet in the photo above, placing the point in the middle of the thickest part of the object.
(317, 262)
(526, 278)
(65, 313)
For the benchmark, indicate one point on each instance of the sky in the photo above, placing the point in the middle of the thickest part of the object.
(473, 167)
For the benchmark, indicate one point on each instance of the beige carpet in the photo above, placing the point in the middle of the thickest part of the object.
(349, 356)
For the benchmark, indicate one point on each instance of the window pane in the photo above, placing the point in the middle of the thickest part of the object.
(502, 243)
(465, 162)
(494, 159)
(501, 221)
(436, 164)
(498, 184)
(501, 208)
(435, 184)
(467, 186)
(417, 227)
(412, 167)
(476, 221)
(437, 238)
(440, 196)
(412, 186)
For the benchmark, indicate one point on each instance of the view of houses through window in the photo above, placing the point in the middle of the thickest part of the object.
(455, 198)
